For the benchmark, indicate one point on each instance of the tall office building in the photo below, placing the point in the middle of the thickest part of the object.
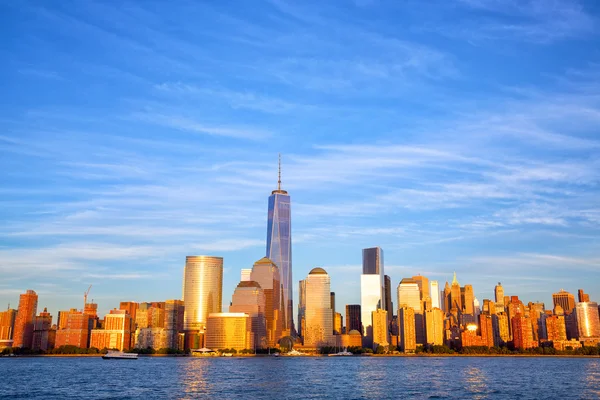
(499, 293)
(522, 332)
(588, 322)
(7, 325)
(372, 290)
(409, 294)
(423, 283)
(407, 339)
(319, 324)
(202, 290)
(435, 294)
(434, 327)
(468, 299)
(456, 297)
(23, 332)
(249, 298)
(338, 322)
(332, 295)
(301, 307)
(389, 304)
(353, 318)
(565, 299)
(266, 273)
(556, 328)
(173, 325)
(279, 247)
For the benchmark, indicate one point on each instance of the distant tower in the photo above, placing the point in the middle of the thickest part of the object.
(23, 333)
(435, 294)
(499, 293)
(279, 246)
(565, 299)
(266, 273)
(319, 325)
(372, 289)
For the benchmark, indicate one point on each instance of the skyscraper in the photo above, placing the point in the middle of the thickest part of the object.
(23, 332)
(389, 304)
(116, 332)
(499, 293)
(434, 327)
(353, 318)
(249, 298)
(582, 296)
(468, 299)
(522, 332)
(406, 329)
(372, 294)
(266, 273)
(380, 328)
(409, 294)
(228, 331)
(332, 295)
(319, 324)
(279, 246)
(435, 294)
(455, 295)
(43, 337)
(202, 290)
(301, 307)
(565, 299)
(423, 283)
(588, 323)
(7, 325)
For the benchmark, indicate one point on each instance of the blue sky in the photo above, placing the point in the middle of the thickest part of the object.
(457, 135)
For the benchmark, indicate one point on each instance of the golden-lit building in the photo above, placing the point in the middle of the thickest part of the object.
(7, 324)
(202, 290)
(503, 328)
(486, 328)
(150, 338)
(455, 300)
(423, 284)
(174, 314)
(434, 327)
(522, 332)
(301, 308)
(228, 331)
(74, 329)
(467, 298)
(151, 317)
(23, 331)
(43, 334)
(407, 338)
(588, 321)
(116, 332)
(337, 323)
(380, 328)
(353, 318)
(499, 294)
(319, 325)
(565, 299)
(469, 337)
(249, 298)
(266, 274)
(351, 339)
(556, 329)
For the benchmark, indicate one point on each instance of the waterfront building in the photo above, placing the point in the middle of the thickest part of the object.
(43, 334)
(301, 307)
(279, 248)
(116, 332)
(131, 308)
(588, 322)
(353, 318)
(245, 275)
(380, 328)
(407, 339)
(202, 290)
(23, 331)
(332, 305)
(228, 331)
(372, 290)
(173, 325)
(150, 317)
(486, 327)
(503, 328)
(434, 327)
(153, 338)
(582, 296)
(319, 329)
(468, 300)
(536, 310)
(514, 307)
(522, 332)
(74, 329)
(351, 339)
(556, 329)
(7, 324)
(469, 337)
(389, 304)
(266, 274)
(565, 299)
(435, 294)
(249, 298)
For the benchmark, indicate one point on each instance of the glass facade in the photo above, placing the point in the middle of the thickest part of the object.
(372, 289)
(435, 294)
(249, 298)
(202, 290)
(266, 274)
(228, 331)
(588, 322)
(301, 307)
(409, 294)
(279, 248)
(319, 323)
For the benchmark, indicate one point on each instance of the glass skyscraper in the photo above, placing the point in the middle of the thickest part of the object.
(202, 290)
(279, 246)
(372, 293)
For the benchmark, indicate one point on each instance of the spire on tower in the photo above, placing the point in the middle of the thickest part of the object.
(279, 180)
(454, 281)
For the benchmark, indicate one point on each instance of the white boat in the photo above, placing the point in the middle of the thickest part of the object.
(119, 355)
(294, 353)
(341, 354)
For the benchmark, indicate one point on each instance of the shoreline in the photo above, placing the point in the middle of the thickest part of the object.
(325, 355)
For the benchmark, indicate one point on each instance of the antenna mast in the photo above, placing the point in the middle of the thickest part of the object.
(279, 180)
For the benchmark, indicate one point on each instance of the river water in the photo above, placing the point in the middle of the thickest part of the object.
(313, 378)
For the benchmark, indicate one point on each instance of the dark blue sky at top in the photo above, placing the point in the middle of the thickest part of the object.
(457, 135)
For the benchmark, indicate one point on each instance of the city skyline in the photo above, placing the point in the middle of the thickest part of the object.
(469, 145)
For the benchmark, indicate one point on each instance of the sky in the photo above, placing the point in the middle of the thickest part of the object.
(457, 135)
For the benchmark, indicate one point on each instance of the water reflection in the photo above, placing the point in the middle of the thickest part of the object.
(592, 379)
(192, 376)
(475, 382)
